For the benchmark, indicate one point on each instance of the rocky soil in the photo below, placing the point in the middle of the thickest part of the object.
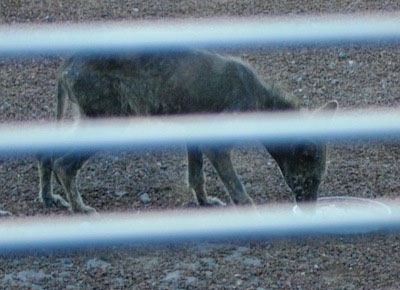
(357, 76)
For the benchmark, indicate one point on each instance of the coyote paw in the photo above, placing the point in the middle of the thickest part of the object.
(214, 201)
(54, 200)
(4, 213)
(83, 209)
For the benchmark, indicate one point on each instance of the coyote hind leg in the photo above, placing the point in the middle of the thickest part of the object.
(46, 196)
(66, 169)
(196, 178)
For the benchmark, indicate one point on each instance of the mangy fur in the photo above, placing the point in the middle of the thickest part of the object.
(181, 82)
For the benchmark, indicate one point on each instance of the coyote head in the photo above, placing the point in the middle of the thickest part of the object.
(303, 163)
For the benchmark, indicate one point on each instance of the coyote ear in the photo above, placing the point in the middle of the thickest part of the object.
(328, 109)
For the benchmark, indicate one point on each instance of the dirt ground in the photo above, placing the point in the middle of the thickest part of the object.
(358, 76)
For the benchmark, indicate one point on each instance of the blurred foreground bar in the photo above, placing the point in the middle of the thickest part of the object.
(211, 33)
(154, 228)
(145, 132)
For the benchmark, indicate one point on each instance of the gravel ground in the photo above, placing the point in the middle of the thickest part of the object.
(357, 76)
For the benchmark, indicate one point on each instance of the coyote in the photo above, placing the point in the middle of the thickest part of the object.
(180, 82)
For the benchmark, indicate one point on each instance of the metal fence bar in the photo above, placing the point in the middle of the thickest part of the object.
(229, 32)
(200, 129)
(17, 234)
(181, 226)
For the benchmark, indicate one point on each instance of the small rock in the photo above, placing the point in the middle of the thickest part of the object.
(191, 280)
(298, 79)
(208, 274)
(342, 55)
(161, 166)
(144, 197)
(119, 280)
(121, 193)
(97, 263)
(173, 276)
(32, 276)
(5, 106)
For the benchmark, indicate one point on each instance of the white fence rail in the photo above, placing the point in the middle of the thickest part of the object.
(56, 38)
(23, 234)
(216, 129)
(152, 228)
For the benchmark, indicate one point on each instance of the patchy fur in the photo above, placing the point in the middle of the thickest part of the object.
(182, 82)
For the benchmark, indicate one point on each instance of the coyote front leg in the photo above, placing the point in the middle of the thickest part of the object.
(220, 158)
(46, 196)
(66, 169)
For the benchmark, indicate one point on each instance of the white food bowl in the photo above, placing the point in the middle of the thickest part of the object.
(347, 210)
(337, 205)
